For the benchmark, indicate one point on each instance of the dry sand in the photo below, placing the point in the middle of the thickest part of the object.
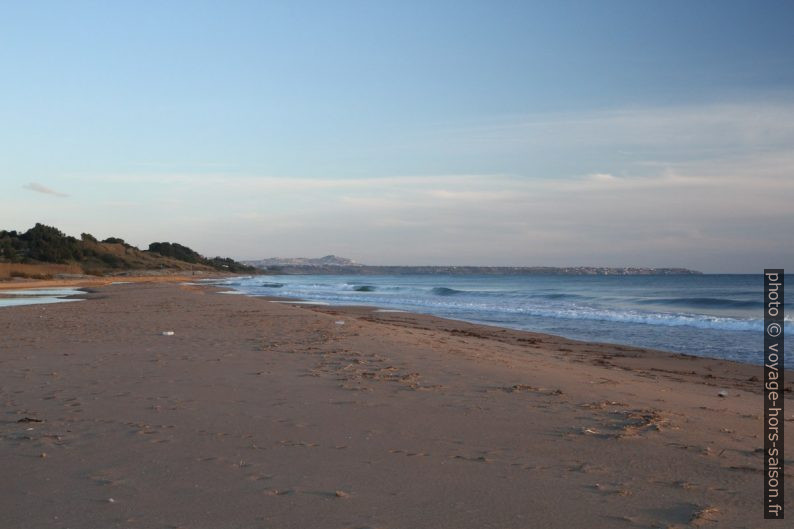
(257, 414)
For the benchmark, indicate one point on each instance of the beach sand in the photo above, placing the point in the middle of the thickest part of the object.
(89, 281)
(264, 414)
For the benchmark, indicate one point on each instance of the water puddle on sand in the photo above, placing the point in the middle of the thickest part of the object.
(36, 296)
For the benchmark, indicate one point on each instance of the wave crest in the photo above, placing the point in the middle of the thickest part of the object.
(444, 291)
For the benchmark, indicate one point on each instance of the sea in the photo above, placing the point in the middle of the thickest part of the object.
(718, 316)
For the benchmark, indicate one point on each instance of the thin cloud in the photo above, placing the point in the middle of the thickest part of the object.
(38, 188)
(605, 178)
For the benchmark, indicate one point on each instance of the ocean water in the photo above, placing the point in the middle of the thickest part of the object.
(718, 316)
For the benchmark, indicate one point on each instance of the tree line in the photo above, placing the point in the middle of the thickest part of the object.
(46, 244)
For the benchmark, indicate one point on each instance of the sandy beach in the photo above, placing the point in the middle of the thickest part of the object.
(98, 281)
(258, 413)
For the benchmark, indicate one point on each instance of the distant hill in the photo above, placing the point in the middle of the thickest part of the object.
(328, 260)
(340, 265)
(47, 245)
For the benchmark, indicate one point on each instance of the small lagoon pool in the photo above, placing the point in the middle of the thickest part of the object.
(37, 296)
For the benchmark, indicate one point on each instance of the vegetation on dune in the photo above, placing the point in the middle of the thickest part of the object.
(40, 243)
(183, 253)
(176, 251)
(46, 244)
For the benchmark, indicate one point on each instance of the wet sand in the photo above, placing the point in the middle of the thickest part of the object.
(265, 414)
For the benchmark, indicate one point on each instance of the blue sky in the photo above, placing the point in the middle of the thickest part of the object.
(517, 133)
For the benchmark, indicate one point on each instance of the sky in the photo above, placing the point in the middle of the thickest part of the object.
(610, 133)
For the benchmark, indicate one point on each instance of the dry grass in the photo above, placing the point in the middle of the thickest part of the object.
(36, 271)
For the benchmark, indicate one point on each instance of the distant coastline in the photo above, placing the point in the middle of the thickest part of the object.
(333, 265)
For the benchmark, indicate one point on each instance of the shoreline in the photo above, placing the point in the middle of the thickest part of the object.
(320, 304)
(258, 413)
(330, 308)
(614, 352)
